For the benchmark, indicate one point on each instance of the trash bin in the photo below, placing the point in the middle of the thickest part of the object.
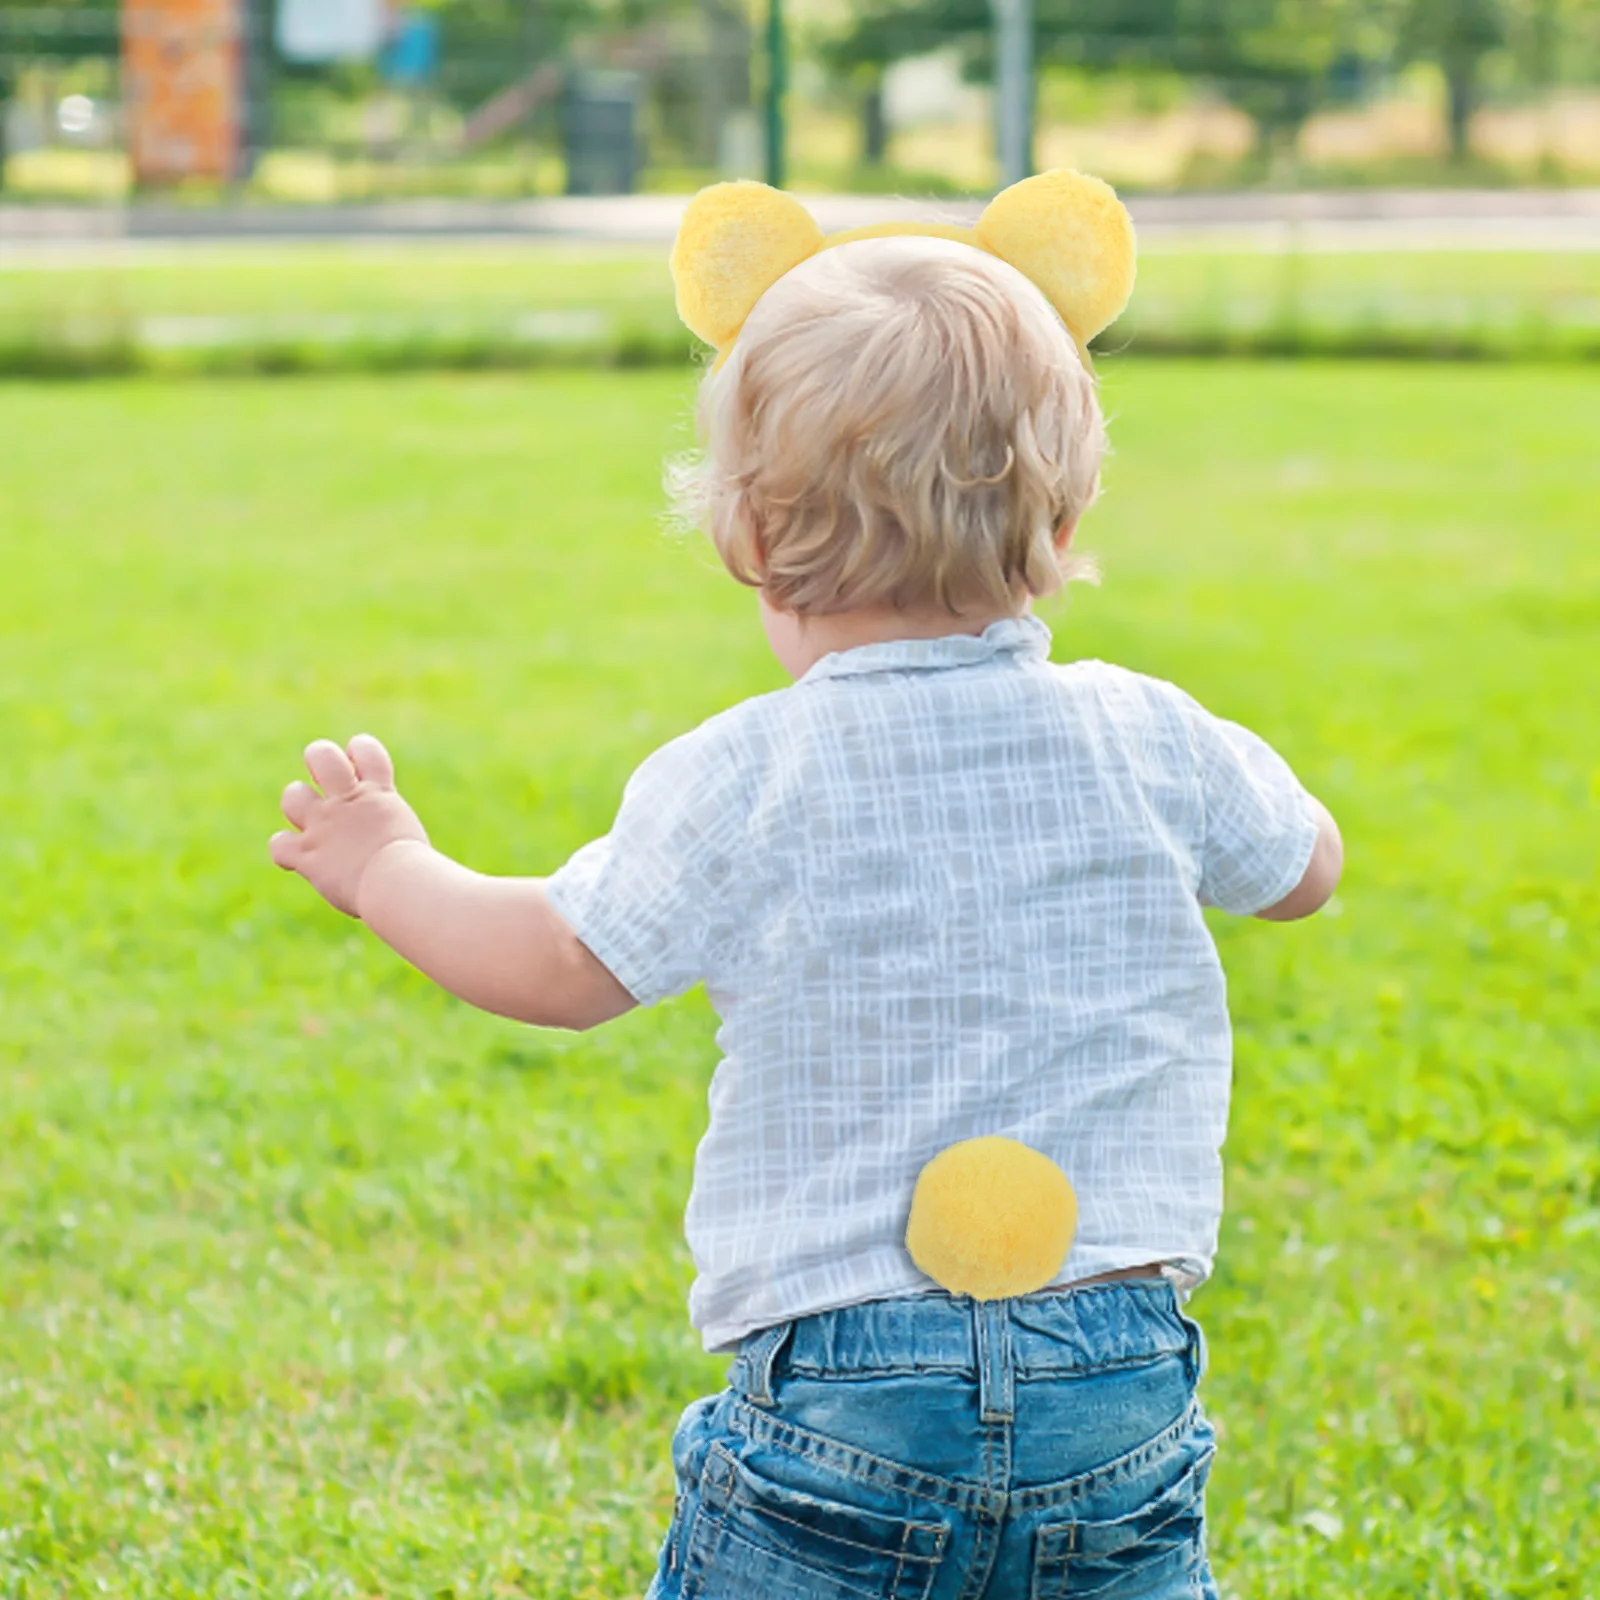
(599, 122)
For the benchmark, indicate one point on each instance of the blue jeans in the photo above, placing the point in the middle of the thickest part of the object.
(934, 1447)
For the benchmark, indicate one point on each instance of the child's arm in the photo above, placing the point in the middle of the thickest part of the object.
(1321, 875)
(1269, 849)
(493, 942)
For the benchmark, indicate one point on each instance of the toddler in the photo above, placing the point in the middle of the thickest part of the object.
(938, 888)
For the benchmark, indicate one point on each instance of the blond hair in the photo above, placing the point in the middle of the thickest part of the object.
(902, 420)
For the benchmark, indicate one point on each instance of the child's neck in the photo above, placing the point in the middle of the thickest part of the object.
(799, 642)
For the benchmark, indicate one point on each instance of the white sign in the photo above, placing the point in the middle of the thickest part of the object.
(331, 30)
(918, 90)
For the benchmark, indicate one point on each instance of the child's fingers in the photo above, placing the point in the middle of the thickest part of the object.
(284, 848)
(298, 799)
(372, 761)
(330, 766)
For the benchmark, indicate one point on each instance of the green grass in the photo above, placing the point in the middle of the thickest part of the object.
(426, 277)
(449, 304)
(416, 277)
(314, 1282)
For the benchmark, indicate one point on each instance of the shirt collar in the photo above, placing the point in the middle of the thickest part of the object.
(1023, 636)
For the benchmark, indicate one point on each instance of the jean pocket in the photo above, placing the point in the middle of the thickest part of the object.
(1148, 1554)
(757, 1539)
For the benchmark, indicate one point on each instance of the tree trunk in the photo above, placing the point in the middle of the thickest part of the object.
(1461, 79)
(5, 111)
(874, 126)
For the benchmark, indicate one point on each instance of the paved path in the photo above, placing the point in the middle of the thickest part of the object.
(1513, 219)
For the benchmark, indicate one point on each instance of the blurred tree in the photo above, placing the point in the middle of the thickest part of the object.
(859, 58)
(1549, 42)
(32, 33)
(1282, 60)
(1100, 34)
(1457, 34)
(1276, 59)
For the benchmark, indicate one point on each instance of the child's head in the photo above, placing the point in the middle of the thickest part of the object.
(905, 422)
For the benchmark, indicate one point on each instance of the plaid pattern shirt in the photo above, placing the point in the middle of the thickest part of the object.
(939, 888)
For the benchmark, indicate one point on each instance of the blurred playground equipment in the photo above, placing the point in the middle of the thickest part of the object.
(317, 101)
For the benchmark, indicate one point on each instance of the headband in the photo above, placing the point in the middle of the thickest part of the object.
(1064, 231)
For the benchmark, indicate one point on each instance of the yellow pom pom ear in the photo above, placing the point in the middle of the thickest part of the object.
(1071, 235)
(991, 1218)
(735, 241)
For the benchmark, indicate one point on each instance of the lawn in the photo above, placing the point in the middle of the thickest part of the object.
(518, 292)
(315, 1283)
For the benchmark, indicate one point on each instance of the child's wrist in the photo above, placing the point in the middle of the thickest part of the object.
(370, 886)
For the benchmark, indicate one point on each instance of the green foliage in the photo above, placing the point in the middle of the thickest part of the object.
(1555, 41)
(1447, 30)
(1097, 34)
(52, 30)
(313, 1281)
(1279, 60)
(1275, 58)
(1457, 34)
(59, 31)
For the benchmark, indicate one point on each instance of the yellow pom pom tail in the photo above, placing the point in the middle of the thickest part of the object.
(735, 241)
(1071, 235)
(991, 1218)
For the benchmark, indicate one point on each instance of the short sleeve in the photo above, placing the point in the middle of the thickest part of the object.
(1260, 828)
(650, 898)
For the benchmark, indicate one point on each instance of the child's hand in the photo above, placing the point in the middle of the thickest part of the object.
(345, 826)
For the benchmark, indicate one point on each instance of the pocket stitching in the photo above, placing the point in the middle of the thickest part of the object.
(941, 1533)
(1057, 1584)
(1186, 1481)
(675, 1530)
(1091, 1371)
(760, 1427)
(897, 1590)
(1053, 1495)
(737, 1491)
(833, 1577)
(716, 1520)
(706, 1522)
(1189, 1551)
(1066, 1559)
(937, 1529)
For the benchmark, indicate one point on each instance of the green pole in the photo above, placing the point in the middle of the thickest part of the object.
(777, 74)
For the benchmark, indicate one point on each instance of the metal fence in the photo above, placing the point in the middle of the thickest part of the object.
(492, 99)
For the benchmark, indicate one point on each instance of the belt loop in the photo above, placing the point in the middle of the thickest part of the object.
(1201, 1356)
(1195, 1356)
(755, 1360)
(991, 1327)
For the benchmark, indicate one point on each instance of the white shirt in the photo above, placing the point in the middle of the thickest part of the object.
(940, 888)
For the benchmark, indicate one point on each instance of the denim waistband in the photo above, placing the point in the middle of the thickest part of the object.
(1056, 1331)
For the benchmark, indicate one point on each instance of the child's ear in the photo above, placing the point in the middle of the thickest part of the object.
(735, 241)
(1070, 234)
(1063, 535)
